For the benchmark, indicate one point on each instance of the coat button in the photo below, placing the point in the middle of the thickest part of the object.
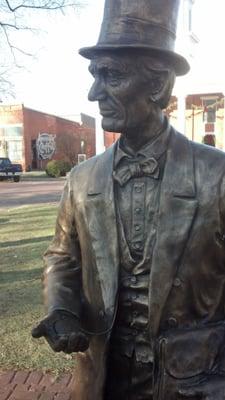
(172, 322)
(177, 282)
(101, 313)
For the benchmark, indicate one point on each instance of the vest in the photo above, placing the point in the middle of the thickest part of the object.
(131, 330)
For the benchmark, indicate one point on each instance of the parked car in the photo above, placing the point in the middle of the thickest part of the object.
(9, 170)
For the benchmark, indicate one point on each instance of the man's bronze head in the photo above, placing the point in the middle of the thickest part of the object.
(131, 87)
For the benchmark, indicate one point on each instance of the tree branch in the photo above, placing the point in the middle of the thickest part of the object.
(6, 25)
(49, 5)
(15, 17)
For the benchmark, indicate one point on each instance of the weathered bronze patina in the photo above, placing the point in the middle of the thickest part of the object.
(135, 275)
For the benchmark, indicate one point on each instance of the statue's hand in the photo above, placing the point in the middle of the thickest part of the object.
(62, 331)
(213, 388)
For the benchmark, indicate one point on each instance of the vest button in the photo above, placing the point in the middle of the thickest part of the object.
(137, 246)
(101, 313)
(138, 189)
(137, 210)
(137, 228)
(177, 282)
(172, 322)
(133, 279)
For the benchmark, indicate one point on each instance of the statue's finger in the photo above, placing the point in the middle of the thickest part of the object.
(39, 331)
(84, 343)
(72, 344)
(77, 342)
(58, 344)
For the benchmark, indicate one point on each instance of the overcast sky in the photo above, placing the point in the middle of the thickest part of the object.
(58, 80)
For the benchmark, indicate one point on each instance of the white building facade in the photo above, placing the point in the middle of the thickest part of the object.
(186, 45)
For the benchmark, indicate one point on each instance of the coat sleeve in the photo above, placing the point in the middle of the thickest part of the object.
(222, 208)
(62, 276)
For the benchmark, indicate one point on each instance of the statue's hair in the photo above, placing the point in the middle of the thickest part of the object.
(156, 70)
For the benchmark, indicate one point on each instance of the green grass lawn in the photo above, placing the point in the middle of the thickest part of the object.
(25, 233)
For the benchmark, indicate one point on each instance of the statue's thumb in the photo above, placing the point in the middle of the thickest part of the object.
(38, 331)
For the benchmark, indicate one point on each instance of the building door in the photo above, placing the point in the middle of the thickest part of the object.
(34, 154)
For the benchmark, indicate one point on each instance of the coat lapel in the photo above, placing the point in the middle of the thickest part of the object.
(176, 214)
(100, 209)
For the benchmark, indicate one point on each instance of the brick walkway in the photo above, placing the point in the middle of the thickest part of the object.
(35, 385)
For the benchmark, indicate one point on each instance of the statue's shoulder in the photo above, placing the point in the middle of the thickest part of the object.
(209, 154)
(200, 151)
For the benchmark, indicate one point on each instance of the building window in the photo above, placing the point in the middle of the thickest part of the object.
(83, 146)
(2, 133)
(13, 132)
(190, 19)
(11, 137)
(15, 150)
(210, 107)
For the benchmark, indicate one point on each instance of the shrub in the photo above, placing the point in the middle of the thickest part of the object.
(57, 168)
(64, 167)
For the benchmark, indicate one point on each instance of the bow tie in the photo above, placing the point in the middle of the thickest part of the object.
(135, 169)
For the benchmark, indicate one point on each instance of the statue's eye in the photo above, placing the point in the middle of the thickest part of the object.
(114, 77)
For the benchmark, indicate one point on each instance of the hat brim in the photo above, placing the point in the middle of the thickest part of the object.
(178, 62)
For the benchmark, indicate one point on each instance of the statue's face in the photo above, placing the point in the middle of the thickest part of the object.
(121, 92)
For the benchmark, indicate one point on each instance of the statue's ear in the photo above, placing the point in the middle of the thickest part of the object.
(161, 86)
(157, 85)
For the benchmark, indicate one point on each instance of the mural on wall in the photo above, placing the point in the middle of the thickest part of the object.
(46, 146)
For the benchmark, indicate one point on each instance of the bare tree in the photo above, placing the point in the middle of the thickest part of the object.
(15, 22)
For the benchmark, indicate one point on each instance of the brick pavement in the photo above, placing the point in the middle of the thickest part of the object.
(35, 385)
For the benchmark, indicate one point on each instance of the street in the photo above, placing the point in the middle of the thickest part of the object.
(30, 192)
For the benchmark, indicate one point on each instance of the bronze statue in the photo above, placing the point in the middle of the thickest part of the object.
(135, 275)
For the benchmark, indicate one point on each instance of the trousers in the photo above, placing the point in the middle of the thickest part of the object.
(128, 379)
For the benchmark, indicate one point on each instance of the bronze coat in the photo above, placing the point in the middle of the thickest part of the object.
(83, 260)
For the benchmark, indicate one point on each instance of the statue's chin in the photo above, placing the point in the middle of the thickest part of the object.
(112, 125)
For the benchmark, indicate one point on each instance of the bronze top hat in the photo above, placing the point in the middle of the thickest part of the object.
(140, 24)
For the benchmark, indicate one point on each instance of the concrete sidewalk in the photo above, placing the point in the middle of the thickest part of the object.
(34, 385)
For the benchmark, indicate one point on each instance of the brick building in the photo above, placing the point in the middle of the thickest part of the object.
(21, 128)
(110, 138)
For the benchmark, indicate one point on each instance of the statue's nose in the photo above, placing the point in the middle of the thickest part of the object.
(97, 91)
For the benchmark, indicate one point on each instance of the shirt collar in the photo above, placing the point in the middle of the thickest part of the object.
(155, 148)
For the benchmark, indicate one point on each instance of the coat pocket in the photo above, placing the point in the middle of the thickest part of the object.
(193, 352)
(187, 357)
